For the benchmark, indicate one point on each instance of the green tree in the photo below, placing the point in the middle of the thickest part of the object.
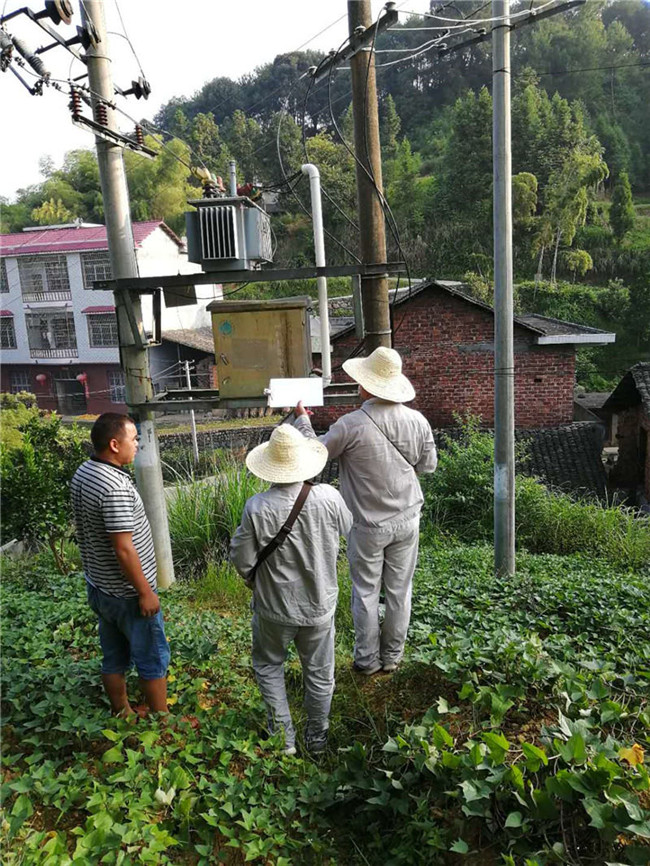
(389, 127)
(567, 198)
(159, 187)
(524, 197)
(52, 212)
(621, 214)
(243, 136)
(466, 177)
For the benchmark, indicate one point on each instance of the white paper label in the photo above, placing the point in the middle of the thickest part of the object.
(289, 392)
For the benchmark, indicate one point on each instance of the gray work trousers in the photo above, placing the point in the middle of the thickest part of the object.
(315, 645)
(382, 557)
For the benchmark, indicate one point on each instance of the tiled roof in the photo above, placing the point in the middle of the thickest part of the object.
(106, 308)
(592, 400)
(554, 327)
(641, 374)
(634, 388)
(201, 339)
(74, 239)
(546, 329)
(6, 314)
(567, 458)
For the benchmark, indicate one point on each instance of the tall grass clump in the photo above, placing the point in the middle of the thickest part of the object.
(178, 463)
(459, 504)
(222, 588)
(203, 515)
(553, 522)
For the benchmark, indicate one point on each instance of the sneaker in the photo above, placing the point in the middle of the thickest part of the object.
(289, 751)
(390, 668)
(369, 672)
(316, 743)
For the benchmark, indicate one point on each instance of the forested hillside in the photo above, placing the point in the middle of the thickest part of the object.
(581, 155)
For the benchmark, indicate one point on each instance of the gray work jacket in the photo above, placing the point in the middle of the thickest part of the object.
(378, 484)
(297, 584)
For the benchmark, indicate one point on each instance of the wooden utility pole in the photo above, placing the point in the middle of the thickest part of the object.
(504, 370)
(133, 354)
(372, 231)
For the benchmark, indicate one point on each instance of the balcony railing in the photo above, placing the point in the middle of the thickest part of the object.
(54, 353)
(38, 297)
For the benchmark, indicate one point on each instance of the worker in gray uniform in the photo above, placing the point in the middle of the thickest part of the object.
(381, 448)
(286, 549)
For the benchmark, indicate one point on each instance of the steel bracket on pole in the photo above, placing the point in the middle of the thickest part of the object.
(113, 137)
(145, 285)
(338, 394)
(357, 43)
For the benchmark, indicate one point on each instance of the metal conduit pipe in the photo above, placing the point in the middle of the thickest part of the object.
(319, 248)
(233, 178)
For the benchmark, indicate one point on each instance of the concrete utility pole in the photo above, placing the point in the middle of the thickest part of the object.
(504, 370)
(134, 360)
(195, 440)
(372, 234)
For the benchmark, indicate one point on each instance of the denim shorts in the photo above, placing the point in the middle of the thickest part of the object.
(128, 638)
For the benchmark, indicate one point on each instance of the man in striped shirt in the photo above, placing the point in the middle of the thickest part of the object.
(119, 565)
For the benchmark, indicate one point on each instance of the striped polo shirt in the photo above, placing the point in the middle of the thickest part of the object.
(104, 500)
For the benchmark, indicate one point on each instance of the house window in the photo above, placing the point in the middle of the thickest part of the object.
(20, 381)
(96, 266)
(51, 335)
(116, 386)
(7, 333)
(102, 330)
(44, 278)
(4, 282)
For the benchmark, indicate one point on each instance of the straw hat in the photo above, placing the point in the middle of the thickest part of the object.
(287, 456)
(381, 375)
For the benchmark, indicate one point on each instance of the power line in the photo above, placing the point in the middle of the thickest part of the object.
(126, 36)
(594, 68)
(297, 197)
(278, 89)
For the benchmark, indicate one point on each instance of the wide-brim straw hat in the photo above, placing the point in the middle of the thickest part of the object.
(381, 375)
(287, 456)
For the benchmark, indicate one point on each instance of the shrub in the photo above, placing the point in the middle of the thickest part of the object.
(459, 501)
(458, 496)
(15, 411)
(35, 483)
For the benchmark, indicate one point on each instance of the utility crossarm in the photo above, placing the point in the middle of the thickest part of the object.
(46, 27)
(357, 42)
(146, 285)
(532, 18)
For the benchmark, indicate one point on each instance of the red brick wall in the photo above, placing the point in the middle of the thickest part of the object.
(447, 350)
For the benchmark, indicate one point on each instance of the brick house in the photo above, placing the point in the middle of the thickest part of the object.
(58, 335)
(446, 340)
(629, 409)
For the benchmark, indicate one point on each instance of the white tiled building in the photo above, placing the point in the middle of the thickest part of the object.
(57, 335)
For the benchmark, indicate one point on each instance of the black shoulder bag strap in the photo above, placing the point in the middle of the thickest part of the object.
(286, 528)
(401, 454)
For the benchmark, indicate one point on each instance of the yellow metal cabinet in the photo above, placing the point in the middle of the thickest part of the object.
(256, 341)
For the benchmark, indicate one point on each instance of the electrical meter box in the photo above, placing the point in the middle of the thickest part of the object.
(256, 341)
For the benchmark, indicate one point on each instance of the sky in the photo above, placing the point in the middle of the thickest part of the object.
(180, 46)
